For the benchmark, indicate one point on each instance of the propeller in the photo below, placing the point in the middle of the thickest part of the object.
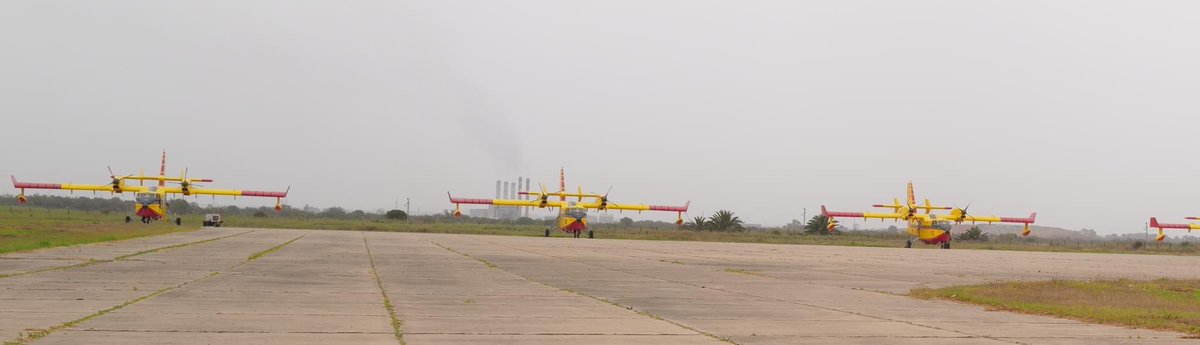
(604, 199)
(544, 198)
(963, 216)
(116, 181)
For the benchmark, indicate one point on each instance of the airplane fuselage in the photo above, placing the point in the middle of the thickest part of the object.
(572, 219)
(929, 231)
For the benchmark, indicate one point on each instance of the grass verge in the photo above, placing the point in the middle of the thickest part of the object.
(22, 230)
(1164, 304)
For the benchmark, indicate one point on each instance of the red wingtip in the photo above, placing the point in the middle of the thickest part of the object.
(824, 212)
(686, 205)
(14, 178)
(1154, 222)
(1032, 217)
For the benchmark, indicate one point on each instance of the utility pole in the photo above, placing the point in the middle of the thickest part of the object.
(407, 210)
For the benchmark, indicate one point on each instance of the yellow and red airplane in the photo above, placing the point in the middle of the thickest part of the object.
(151, 201)
(927, 227)
(1160, 226)
(572, 214)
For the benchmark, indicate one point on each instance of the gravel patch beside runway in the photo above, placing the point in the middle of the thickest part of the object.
(321, 287)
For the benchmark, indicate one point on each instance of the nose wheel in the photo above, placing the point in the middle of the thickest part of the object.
(908, 244)
(547, 232)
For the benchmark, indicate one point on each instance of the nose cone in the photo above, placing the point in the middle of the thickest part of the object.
(457, 214)
(21, 199)
(278, 208)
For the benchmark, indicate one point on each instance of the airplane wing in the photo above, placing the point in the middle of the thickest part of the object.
(80, 187)
(1155, 224)
(634, 207)
(227, 192)
(503, 202)
(1160, 226)
(989, 220)
(863, 215)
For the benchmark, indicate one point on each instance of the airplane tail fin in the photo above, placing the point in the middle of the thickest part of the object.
(162, 170)
(912, 198)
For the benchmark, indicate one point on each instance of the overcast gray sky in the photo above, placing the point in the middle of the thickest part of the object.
(1084, 111)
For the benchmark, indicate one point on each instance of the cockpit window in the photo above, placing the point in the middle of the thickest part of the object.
(942, 225)
(147, 198)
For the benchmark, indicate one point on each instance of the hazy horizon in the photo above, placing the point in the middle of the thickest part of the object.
(1084, 112)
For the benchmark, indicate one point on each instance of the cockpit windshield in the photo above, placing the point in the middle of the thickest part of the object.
(147, 198)
(941, 225)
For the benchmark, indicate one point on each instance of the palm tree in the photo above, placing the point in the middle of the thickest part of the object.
(724, 220)
(697, 223)
(819, 225)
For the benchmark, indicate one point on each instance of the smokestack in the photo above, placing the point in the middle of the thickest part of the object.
(496, 210)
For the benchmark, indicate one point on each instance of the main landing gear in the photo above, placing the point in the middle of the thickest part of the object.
(946, 245)
(576, 233)
(908, 244)
(128, 219)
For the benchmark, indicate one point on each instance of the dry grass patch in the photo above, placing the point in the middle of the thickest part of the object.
(1172, 305)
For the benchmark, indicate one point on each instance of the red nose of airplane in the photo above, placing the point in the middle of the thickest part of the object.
(278, 208)
(21, 198)
(457, 214)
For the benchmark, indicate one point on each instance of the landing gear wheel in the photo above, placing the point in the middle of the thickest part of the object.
(908, 244)
(590, 235)
(576, 234)
(946, 245)
(547, 232)
(128, 219)
(178, 221)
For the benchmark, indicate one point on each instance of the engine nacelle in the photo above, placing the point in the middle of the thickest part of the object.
(457, 212)
(21, 198)
(1161, 236)
(1026, 232)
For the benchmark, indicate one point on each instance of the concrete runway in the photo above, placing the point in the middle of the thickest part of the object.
(254, 286)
